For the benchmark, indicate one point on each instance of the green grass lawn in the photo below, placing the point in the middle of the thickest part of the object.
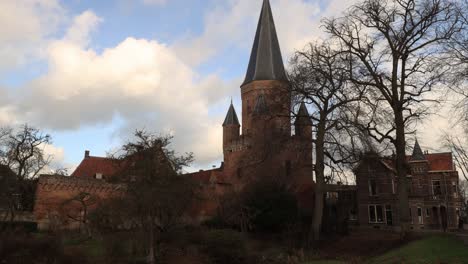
(431, 249)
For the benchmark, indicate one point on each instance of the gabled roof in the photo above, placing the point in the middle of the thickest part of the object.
(266, 62)
(303, 117)
(90, 166)
(418, 154)
(231, 117)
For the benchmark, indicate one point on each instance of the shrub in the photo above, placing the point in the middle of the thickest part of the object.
(225, 246)
(32, 249)
(274, 207)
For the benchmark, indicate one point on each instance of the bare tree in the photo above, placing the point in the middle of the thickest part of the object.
(320, 78)
(22, 150)
(77, 210)
(157, 196)
(396, 45)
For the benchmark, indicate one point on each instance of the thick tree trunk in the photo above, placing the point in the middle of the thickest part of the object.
(320, 182)
(401, 166)
(151, 258)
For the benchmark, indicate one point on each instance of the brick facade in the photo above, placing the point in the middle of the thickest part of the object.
(433, 196)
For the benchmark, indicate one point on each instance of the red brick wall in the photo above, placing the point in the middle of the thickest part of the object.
(54, 194)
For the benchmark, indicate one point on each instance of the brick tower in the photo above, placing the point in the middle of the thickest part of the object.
(266, 145)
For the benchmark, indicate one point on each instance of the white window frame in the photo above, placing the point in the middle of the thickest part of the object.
(455, 189)
(420, 215)
(374, 207)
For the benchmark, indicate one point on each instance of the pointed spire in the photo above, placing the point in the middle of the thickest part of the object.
(417, 152)
(260, 105)
(231, 116)
(266, 62)
(303, 117)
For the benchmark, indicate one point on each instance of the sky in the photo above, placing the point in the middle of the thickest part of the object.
(91, 72)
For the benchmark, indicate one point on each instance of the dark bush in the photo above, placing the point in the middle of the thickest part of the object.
(19, 248)
(225, 246)
(274, 207)
(26, 227)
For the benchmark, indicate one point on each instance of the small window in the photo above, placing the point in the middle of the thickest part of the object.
(436, 190)
(376, 214)
(455, 189)
(420, 216)
(428, 212)
(372, 187)
(98, 176)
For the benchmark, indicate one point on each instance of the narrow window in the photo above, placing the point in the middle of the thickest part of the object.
(372, 187)
(372, 217)
(380, 214)
(428, 212)
(455, 189)
(436, 190)
(420, 217)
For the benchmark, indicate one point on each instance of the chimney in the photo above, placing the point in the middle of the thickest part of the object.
(86, 154)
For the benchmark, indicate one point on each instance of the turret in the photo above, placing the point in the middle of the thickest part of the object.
(266, 80)
(303, 123)
(418, 162)
(231, 127)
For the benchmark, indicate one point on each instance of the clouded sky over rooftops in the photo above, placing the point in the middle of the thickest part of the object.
(91, 72)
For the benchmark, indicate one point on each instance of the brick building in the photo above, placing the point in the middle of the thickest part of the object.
(433, 192)
(263, 145)
(264, 148)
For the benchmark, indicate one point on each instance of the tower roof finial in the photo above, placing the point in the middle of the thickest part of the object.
(231, 117)
(266, 62)
(418, 154)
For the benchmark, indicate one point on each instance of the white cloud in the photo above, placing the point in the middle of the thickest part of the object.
(154, 2)
(143, 82)
(81, 28)
(26, 26)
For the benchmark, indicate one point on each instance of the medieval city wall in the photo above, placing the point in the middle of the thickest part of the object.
(57, 199)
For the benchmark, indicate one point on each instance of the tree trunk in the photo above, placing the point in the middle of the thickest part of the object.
(401, 166)
(151, 258)
(320, 182)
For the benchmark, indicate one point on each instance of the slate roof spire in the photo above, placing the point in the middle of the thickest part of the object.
(303, 117)
(418, 154)
(266, 62)
(231, 117)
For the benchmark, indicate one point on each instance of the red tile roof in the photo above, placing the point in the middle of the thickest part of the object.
(437, 162)
(90, 166)
(440, 161)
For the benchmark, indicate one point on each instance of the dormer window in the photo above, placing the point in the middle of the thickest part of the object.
(98, 176)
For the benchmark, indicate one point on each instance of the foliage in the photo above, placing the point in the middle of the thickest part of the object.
(264, 206)
(156, 196)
